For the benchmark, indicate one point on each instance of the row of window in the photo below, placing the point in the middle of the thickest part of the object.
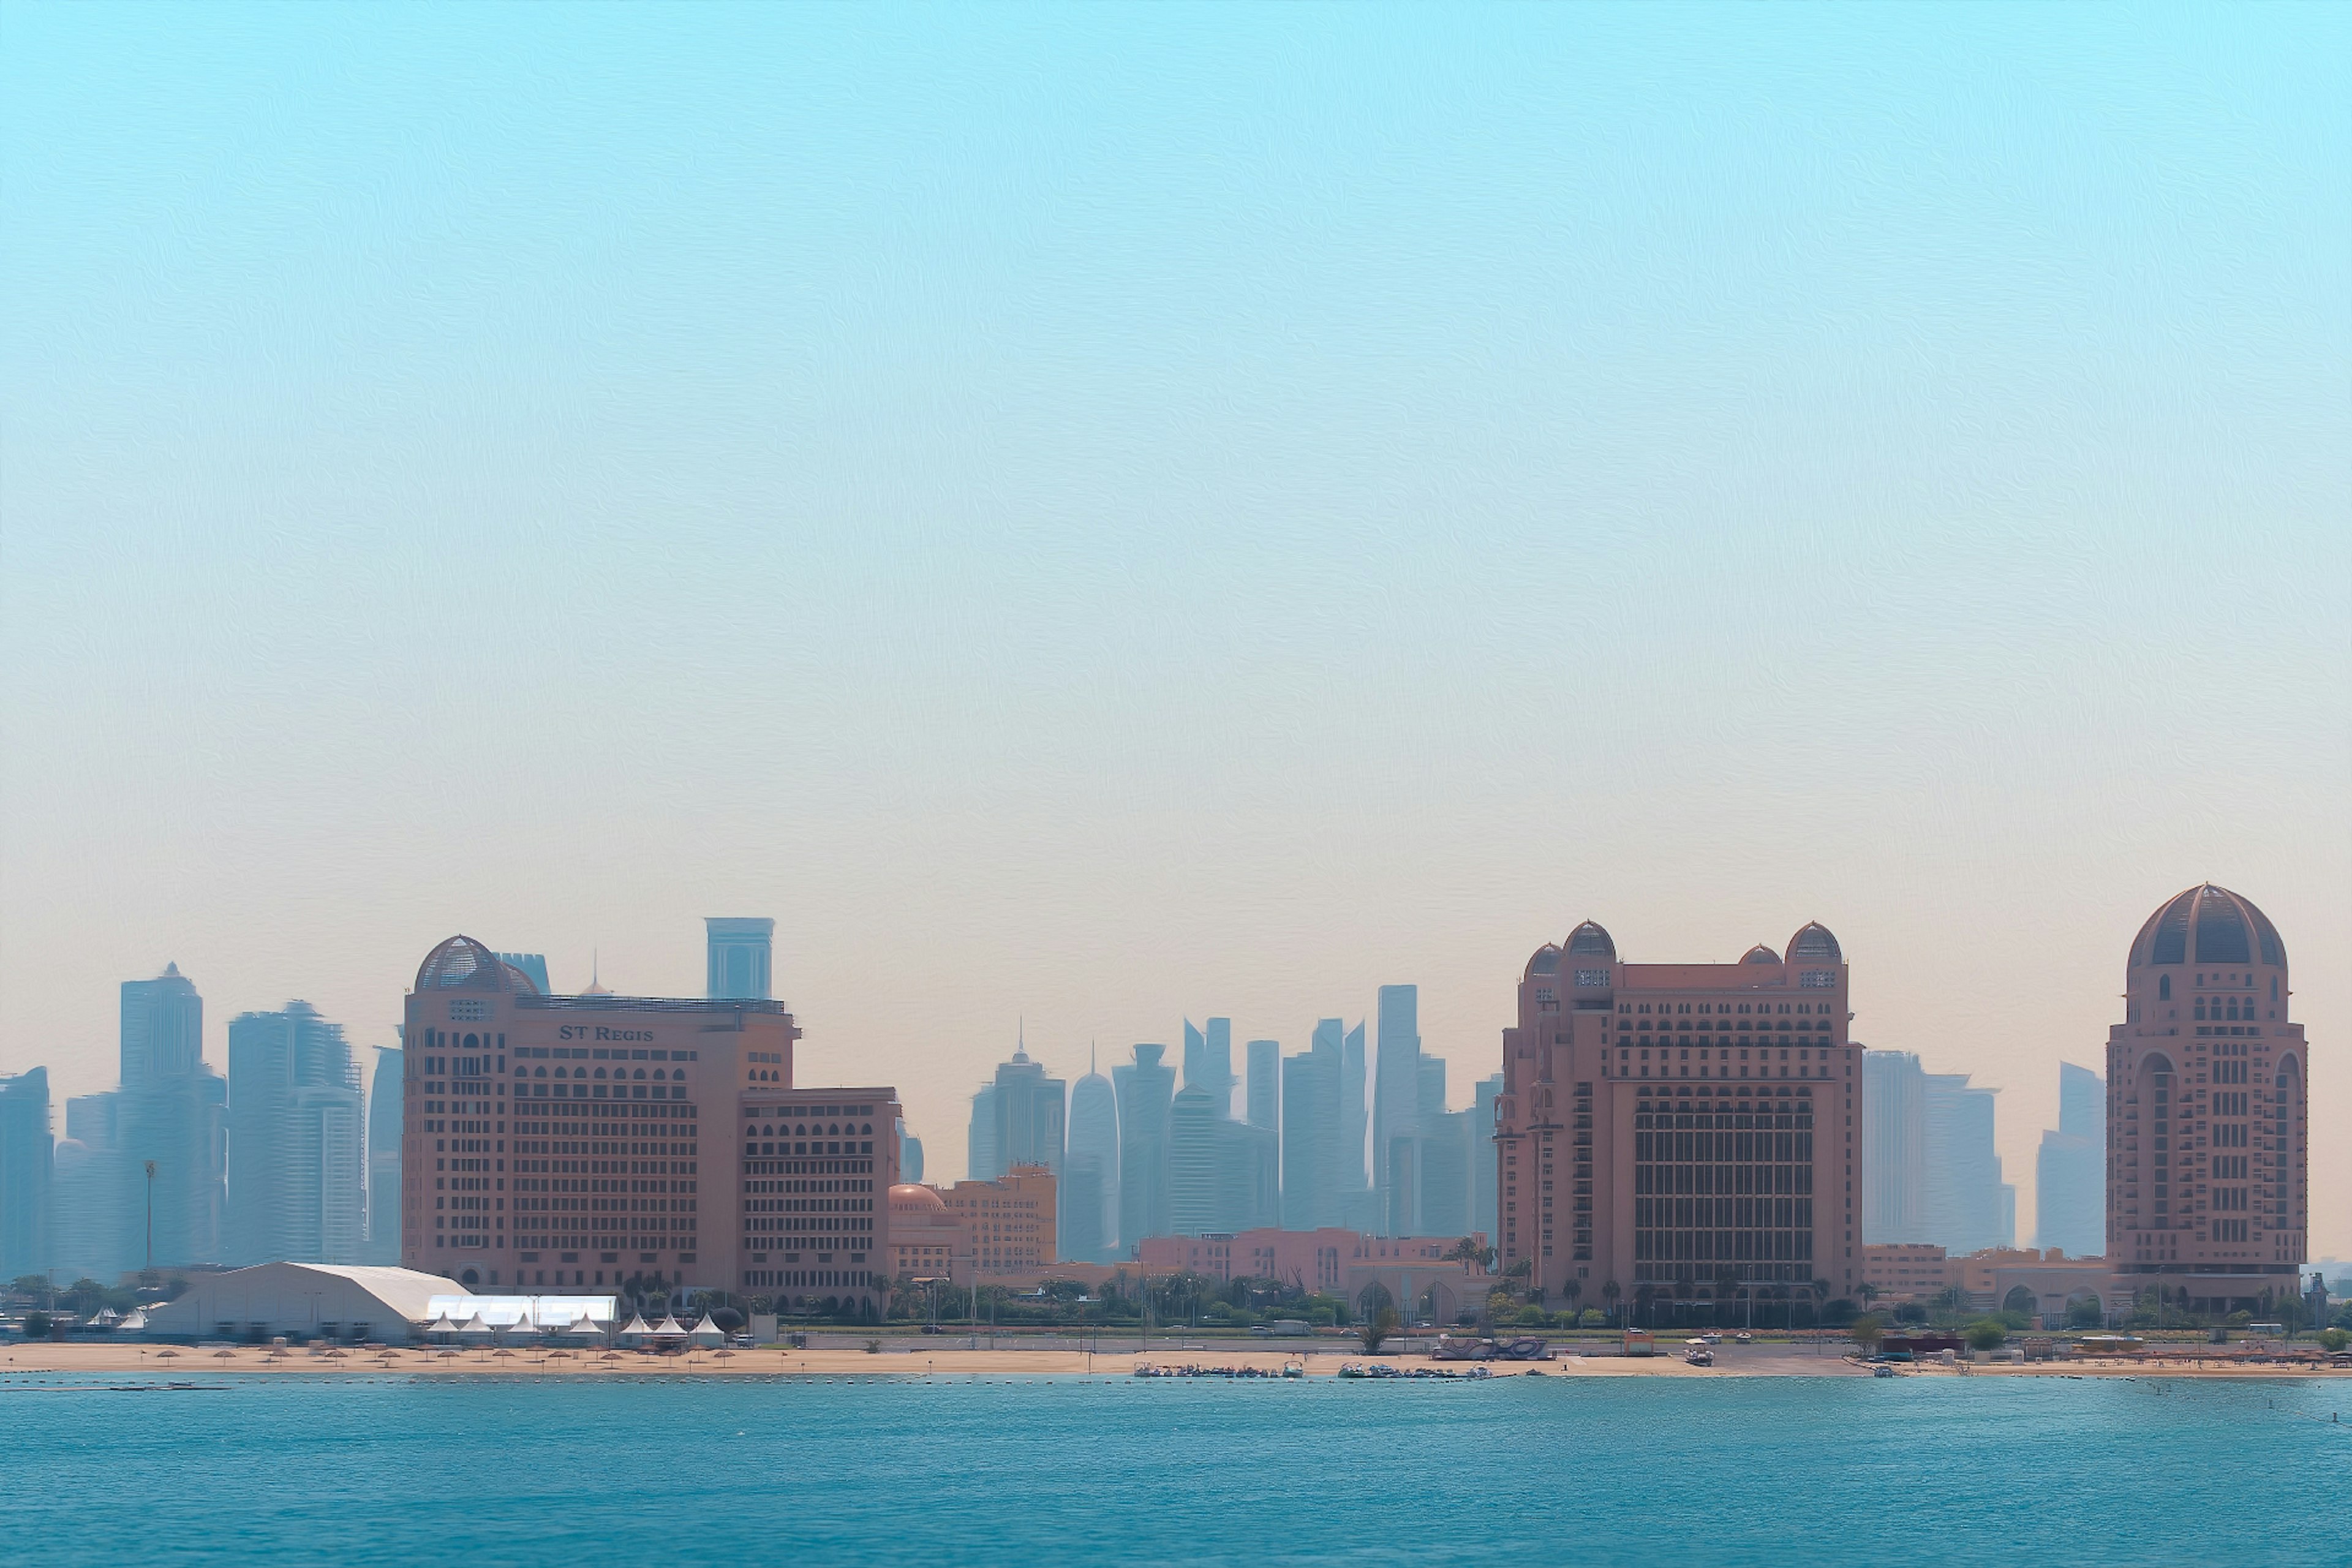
(1802, 1007)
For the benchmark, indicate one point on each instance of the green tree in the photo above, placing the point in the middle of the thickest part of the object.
(1987, 1334)
(38, 1326)
(2333, 1341)
(1866, 1331)
(1376, 1329)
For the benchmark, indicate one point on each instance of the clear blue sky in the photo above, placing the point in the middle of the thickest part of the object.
(1101, 513)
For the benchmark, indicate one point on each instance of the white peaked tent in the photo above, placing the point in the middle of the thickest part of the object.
(440, 1325)
(634, 1331)
(669, 1328)
(477, 1326)
(707, 1333)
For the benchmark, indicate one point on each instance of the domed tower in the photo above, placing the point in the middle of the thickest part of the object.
(2207, 1133)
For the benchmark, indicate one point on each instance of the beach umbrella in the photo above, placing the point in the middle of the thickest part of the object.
(224, 1353)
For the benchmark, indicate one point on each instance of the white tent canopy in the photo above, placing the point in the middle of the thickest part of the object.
(707, 1332)
(301, 1299)
(516, 1311)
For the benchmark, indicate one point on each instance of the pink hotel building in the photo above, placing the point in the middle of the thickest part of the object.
(561, 1142)
(1680, 1130)
(2208, 1133)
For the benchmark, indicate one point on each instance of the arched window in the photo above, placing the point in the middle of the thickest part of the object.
(2164, 987)
(542, 1072)
(640, 1072)
(599, 1072)
(2274, 987)
(659, 1073)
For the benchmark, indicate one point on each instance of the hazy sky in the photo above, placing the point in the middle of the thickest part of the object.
(1098, 514)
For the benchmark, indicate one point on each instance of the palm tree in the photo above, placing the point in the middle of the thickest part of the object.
(1572, 1290)
(1468, 1252)
(1868, 1292)
(1610, 1293)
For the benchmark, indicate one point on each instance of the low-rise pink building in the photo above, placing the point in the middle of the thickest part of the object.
(1417, 1271)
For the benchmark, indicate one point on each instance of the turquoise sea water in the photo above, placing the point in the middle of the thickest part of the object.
(1518, 1470)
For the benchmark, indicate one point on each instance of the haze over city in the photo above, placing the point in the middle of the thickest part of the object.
(1090, 523)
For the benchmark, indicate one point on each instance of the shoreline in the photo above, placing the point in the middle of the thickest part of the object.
(152, 1361)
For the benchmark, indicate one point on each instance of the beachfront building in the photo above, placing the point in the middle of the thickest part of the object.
(592, 1140)
(1010, 1220)
(2207, 1137)
(1673, 1133)
(927, 1242)
(1899, 1271)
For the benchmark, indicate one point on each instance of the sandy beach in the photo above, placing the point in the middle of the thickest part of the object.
(935, 1361)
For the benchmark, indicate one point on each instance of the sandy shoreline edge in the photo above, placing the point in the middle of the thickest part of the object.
(152, 1363)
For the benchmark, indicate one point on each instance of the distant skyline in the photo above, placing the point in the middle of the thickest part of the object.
(1102, 516)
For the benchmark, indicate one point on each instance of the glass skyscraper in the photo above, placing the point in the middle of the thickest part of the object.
(298, 1141)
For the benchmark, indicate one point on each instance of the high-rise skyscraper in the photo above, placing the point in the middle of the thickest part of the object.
(1017, 1119)
(981, 1160)
(1353, 1079)
(298, 1141)
(1193, 1158)
(740, 955)
(2070, 1171)
(1261, 1094)
(1089, 1206)
(1486, 1210)
(910, 1156)
(1894, 1166)
(1311, 1132)
(172, 1112)
(384, 1113)
(90, 1236)
(25, 1152)
(1397, 1091)
(2208, 1133)
(1961, 1204)
(1208, 1062)
(1146, 1088)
